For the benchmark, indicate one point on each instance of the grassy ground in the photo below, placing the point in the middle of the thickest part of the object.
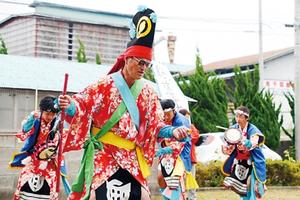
(271, 194)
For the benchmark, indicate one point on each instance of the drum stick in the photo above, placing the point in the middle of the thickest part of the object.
(221, 127)
(61, 127)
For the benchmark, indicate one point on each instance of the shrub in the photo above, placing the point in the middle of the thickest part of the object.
(209, 175)
(279, 173)
(284, 173)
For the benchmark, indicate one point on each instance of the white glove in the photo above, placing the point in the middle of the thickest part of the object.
(43, 165)
(26, 160)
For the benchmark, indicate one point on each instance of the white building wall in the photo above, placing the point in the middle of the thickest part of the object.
(282, 68)
(279, 76)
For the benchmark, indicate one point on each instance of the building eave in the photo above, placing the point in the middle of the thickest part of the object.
(244, 61)
(74, 14)
(36, 4)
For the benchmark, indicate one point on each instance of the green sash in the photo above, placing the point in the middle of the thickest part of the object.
(86, 171)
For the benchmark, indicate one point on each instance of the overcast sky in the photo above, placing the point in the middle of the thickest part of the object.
(221, 29)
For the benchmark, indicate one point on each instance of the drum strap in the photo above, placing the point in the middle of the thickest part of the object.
(29, 145)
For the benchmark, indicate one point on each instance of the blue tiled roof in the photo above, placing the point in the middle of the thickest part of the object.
(24, 72)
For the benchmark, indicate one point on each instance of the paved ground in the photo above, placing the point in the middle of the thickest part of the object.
(273, 193)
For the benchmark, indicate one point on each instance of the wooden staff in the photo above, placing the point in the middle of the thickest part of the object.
(61, 129)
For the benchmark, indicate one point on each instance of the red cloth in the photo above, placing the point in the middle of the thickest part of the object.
(133, 51)
(99, 101)
(195, 137)
(34, 166)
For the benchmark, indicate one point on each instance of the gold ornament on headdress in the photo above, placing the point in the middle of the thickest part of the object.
(143, 27)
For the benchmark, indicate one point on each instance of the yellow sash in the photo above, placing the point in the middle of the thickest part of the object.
(190, 181)
(113, 139)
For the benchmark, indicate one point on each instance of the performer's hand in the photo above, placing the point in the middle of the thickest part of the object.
(64, 101)
(35, 114)
(224, 149)
(241, 146)
(180, 132)
(227, 149)
(25, 161)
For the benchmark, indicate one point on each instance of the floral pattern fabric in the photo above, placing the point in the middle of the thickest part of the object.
(35, 166)
(94, 106)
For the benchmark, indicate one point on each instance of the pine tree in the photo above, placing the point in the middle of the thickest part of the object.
(210, 109)
(98, 59)
(3, 49)
(291, 100)
(81, 56)
(149, 75)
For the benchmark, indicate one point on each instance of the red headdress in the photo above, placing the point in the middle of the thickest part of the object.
(142, 31)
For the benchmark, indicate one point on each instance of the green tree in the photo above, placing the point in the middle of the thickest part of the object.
(264, 113)
(210, 109)
(149, 75)
(291, 100)
(81, 56)
(3, 49)
(98, 59)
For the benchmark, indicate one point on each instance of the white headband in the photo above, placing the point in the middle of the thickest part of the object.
(241, 113)
(168, 109)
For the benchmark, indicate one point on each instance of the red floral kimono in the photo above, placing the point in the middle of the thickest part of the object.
(46, 169)
(96, 104)
(172, 168)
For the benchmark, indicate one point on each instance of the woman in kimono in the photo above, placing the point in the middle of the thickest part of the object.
(245, 167)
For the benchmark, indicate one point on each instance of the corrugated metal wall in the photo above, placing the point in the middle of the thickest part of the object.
(16, 104)
(50, 38)
(19, 36)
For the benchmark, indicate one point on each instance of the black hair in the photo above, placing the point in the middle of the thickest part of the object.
(184, 111)
(47, 104)
(167, 103)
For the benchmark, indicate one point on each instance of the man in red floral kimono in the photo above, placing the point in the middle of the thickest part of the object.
(37, 179)
(123, 118)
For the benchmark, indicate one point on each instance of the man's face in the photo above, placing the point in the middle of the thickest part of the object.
(48, 116)
(169, 115)
(241, 119)
(136, 67)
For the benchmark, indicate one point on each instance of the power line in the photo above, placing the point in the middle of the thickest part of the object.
(210, 20)
(14, 2)
(217, 20)
(244, 30)
(185, 19)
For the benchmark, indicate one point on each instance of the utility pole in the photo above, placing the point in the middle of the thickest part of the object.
(261, 57)
(297, 78)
